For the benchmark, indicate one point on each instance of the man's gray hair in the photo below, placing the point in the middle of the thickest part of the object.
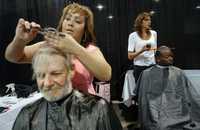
(45, 51)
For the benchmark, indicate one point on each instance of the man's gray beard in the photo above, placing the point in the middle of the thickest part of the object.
(64, 91)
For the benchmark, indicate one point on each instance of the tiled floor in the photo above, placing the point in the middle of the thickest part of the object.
(127, 115)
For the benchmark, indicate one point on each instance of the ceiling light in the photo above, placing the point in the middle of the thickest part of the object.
(156, 1)
(197, 7)
(100, 7)
(152, 12)
(110, 17)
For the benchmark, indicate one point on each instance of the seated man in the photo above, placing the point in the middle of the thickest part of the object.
(167, 100)
(62, 107)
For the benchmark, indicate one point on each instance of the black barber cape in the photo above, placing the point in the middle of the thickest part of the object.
(76, 112)
(167, 99)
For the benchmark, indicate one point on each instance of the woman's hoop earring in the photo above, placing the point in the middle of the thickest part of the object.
(85, 37)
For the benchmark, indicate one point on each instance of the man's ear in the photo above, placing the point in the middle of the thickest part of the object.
(71, 73)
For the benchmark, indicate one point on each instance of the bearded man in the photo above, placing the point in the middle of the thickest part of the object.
(63, 108)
